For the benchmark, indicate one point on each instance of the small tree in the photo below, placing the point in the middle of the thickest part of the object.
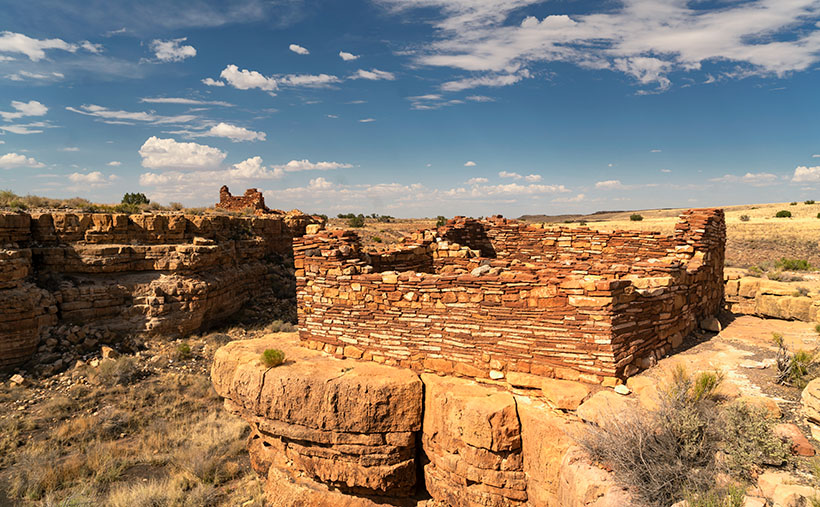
(784, 214)
(440, 221)
(635, 217)
(356, 221)
(136, 198)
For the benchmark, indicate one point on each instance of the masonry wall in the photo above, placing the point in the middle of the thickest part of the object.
(568, 303)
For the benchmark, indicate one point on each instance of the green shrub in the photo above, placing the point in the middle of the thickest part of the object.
(744, 218)
(278, 326)
(356, 221)
(792, 369)
(810, 201)
(272, 357)
(441, 221)
(635, 217)
(748, 440)
(120, 371)
(792, 264)
(783, 214)
(176, 206)
(793, 203)
(135, 198)
(377, 239)
(817, 328)
(184, 351)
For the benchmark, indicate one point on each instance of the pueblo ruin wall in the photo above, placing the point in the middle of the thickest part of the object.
(485, 298)
(131, 274)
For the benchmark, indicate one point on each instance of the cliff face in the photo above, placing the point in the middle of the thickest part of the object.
(133, 274)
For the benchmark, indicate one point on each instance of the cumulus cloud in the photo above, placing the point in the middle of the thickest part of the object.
(159, 153)
(114, 163)
(128, 117)
(476, 181)
(247, 79)
(806, 174)
(508, 174)
(92, 179)
(172, 50)
(35, 49)
(299, 50)
(209, 81)
(14, 160)
(609, 185)
(532, 178)
(309, 80)
(30, 108)
(70, 148)
(643, 39)
(252, 168)
(307, 165)
(469, 163)
(344, 55)
(754, 179)
(320, 184)
(577, 198)
(373, 75)
(228, 131)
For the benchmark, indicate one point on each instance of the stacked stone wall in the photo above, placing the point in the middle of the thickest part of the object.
(564, 303)
(253, 199)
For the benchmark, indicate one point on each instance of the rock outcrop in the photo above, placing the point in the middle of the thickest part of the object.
(772, 299)
(133, 274)
(338, 432)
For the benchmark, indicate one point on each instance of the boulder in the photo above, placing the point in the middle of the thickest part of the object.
(799, 443)
(810, 402)
(603, 406)
(564, 394)
(582, 484)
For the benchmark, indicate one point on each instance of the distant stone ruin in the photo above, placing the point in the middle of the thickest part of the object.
(486, 298)
(253, 199)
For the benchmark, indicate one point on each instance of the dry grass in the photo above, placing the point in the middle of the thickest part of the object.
(145, 436)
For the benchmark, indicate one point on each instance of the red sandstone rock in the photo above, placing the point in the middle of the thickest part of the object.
(799, 443)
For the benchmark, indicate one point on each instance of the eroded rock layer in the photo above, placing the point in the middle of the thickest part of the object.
(134, 274)
(350, 426)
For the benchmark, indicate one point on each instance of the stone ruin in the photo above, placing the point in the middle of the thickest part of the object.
(521, 313)
(482, 298)
(253, 199)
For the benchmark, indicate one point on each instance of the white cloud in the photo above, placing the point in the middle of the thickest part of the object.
(159, 153)
(180, 100)
(309, 80)
(92, 179)
(70, 148)
(27, 128)
(532, 178)
(35, 49)
(666, 170)
(469, 163)
(320, 184)
(609, 185)
(114, 163)
(307, 165)
(816, 155)
(247, 79)
(508, 174)
(754, 179)
(803, 173)
(373, 75)
(299, 50)
(655, 151)
(209, 81)
(252, 168)
(14, 160)
(476, 181)
(367, 120)
(646, 40)
(577, 198)
(332, 115)
(24, 74)
(517, 189)
(30, 108)
(118, 117)
(344, 55)
(489, 80)
(232, 132)
(479, 98)
(172, 50)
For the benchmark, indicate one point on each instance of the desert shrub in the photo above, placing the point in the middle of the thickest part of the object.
(792, 264)
(793, 203)
(755, 271)
(278, 326)
(744, 218)
(783, 214)
(441, 221)
(120, 371)
(817, 328)
(184, 351)
(136, 198)
(810, 201)
(176, 206)
(582, 223)
(663, 455)
(377, 239)
(748, 440)
(728, 496)
(273, 357)
(792, 369)
(635, 217)
(801, 292)
(356, 221)
(128, 208)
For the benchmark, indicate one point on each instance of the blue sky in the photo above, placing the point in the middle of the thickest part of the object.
(414, 107)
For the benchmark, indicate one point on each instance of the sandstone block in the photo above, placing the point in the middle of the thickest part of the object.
(564, 394)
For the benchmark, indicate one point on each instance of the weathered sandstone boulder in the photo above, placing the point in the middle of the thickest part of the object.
(810, 401)
(582, 484)
(344, 424)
